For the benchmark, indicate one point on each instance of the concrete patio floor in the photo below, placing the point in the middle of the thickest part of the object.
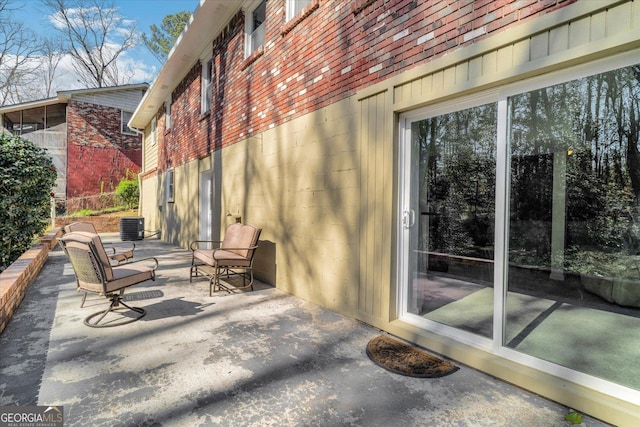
(250, 359)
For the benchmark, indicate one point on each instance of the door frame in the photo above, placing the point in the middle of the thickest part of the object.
(205, 199)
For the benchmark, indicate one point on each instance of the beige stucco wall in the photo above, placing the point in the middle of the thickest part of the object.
(323, 187)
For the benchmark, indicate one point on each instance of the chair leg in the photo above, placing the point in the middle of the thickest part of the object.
(116, 302)
(216, 285)
(193, 271)
(84, 298)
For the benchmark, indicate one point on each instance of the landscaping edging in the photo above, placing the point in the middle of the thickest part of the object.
(16, 279)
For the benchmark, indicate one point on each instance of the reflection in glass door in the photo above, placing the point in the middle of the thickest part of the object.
(574, 225)
(450, 221)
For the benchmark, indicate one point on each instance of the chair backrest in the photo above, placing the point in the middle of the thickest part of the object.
(80, 226)
(241, 236)
(89, 259)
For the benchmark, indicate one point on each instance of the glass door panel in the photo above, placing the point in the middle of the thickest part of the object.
(451, 219)
(574, 225)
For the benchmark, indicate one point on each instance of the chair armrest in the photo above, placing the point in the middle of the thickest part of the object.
(124, 246)
(236, 249)
(196, 243)
(155, 260)
(107, 248)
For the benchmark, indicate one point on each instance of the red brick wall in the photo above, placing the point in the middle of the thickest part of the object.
(337, 49)
(16, 279)
(99, 154)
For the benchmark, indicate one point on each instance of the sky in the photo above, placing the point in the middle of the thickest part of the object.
(143, 12)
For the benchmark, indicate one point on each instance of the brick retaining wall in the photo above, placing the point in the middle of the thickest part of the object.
(16, 279)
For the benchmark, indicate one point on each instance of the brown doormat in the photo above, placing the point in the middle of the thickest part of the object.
(403, 359)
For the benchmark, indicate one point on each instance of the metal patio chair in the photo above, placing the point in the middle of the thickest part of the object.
(232, 256)
(116, 253)
(94, 273)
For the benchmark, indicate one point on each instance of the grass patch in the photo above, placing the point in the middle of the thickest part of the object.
(115, 211)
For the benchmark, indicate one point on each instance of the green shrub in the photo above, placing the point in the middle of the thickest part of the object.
(128, 192)
(27, 176)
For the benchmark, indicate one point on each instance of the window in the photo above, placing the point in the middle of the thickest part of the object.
(154, 125)
(255, 26)
(294, 7)
(125, 117)
(167, 120)
(170, 185)
(205, 96)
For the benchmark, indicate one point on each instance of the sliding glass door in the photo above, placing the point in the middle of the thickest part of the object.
(519, 225)
(450, 218)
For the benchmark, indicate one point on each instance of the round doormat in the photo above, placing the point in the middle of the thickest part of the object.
(403, 359)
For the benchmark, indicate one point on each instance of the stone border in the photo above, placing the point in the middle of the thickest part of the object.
(16, 279)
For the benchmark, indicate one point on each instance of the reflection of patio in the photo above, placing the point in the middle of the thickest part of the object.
(252, 358)
(592, 336)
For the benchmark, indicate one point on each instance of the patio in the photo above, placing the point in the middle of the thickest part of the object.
(253, 358)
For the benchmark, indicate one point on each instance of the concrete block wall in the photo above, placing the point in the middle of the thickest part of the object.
(16, 279)
(99, 154)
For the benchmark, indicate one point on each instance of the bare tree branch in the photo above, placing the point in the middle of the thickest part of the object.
(18, 45)
(95, 35)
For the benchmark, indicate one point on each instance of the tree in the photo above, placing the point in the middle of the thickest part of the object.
(95, 36)
(162, 39)
(18, 45)
(49, 64)
(27, 176)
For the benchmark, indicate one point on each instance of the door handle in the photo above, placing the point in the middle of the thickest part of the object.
(408, 218)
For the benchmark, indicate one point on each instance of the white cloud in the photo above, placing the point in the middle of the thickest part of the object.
(135, 65)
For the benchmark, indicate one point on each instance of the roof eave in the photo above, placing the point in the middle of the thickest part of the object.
(208, 20)
(63, 97)
(31, 104)
(66, 94)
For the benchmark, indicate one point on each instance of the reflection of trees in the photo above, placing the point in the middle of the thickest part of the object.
(581, 136)
(594, 123)
(457, 179)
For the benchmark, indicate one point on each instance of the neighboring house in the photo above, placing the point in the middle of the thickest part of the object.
(462, 174)
(86, 132)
